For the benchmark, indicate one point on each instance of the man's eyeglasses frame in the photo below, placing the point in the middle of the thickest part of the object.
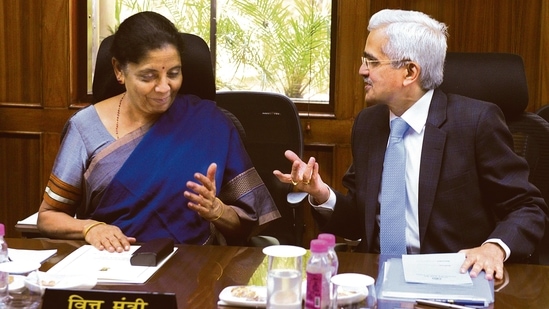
(370, 63)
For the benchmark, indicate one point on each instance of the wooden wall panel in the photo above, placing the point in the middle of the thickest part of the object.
(20, 65)
(34, 100)
(350, 40)
(20, 166)
(56, 54)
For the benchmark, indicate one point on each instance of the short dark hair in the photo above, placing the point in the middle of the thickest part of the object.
(141, 33)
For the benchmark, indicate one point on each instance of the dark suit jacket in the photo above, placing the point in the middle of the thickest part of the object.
(472, 185)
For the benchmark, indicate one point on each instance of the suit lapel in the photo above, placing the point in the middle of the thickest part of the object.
(431, 159)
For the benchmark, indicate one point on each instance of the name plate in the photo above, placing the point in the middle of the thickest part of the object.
(95, 299)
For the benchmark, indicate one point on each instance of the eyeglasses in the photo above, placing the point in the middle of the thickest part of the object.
(369, 63)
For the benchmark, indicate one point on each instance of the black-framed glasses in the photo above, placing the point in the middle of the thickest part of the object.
(370, 63)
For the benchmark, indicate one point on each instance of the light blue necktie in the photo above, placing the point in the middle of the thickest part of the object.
(392, 234)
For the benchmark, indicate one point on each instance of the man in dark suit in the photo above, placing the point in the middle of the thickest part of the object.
(466, 189)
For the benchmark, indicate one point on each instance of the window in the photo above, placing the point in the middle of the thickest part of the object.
(282, 46)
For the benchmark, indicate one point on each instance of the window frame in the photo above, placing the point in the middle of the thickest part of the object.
(80, 73)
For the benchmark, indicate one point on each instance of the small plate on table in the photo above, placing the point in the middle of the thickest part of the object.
(17, 272)
(244, 295)
(19, 267)
(40, 281)
(16, 283)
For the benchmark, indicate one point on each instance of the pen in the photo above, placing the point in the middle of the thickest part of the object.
(450, 304)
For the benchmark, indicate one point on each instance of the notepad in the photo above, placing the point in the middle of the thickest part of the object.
(107, 267)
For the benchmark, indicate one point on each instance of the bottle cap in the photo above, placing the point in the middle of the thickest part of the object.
(2, 230)
(330, 239)
(319, 245)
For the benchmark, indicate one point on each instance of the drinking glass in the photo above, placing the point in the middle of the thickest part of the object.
(4, 294)
(13, 276)
(284, 276)
(353, 291)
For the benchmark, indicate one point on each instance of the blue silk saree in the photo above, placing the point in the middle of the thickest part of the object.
(137, 182)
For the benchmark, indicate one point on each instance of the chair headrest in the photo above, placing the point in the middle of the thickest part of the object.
(494, 77)
(198, 78)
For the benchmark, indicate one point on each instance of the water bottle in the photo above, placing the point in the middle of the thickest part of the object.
(319, 272)
(4, 276)
(330, 239)
(3, 245)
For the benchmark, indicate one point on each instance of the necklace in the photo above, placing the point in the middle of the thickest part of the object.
(118, 114)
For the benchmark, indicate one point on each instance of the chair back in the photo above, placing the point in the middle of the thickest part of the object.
(493, 77)
(543, 112)
(198, 77)
(197, 69)
(272, 126)
(500, 78)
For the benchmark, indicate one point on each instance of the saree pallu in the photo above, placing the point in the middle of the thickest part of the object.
(145, 197)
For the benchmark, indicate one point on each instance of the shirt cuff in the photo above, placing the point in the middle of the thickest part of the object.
(502, 245)
(327, 208)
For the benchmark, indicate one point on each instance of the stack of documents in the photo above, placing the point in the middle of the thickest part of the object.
(107, 267)
(433, 277)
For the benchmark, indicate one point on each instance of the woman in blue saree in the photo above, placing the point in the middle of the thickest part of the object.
(150, 163)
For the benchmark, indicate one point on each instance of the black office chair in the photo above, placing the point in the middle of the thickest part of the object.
(543, 112)
(272, 126)
(197, 70)
(500, 78)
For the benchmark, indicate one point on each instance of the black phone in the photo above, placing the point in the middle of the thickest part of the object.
(152, 252)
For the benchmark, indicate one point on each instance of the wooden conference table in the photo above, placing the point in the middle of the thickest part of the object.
(197, 274)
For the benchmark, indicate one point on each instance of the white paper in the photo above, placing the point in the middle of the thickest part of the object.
(394, 287)
(435, 269)
(107, 267)
(30, 220)
(31, 256)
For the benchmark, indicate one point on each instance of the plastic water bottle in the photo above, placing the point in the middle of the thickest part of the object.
(3, 245)
(4, 283)
(330, 240)
(319, 272)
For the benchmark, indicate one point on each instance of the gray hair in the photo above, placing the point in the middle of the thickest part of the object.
(417, 37)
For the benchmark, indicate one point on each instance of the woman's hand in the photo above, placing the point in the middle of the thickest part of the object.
(203, 198)
(107, 237)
